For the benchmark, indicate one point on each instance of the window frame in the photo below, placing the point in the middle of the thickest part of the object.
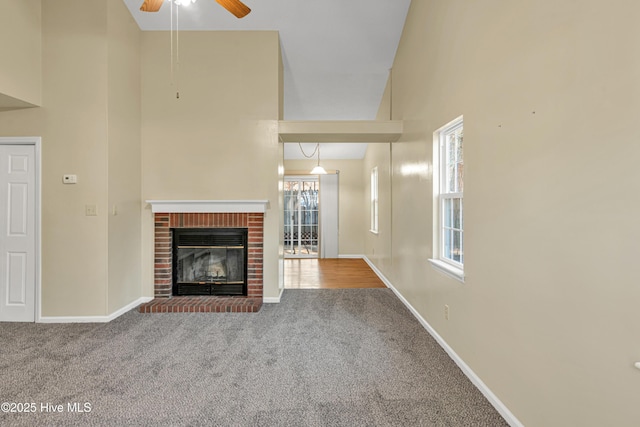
(441, 196)
(375, 213)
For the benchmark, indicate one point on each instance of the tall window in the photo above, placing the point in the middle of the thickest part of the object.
(450, 225)
(374, 199)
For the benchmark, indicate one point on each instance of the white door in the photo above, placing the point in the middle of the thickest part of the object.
(17, 233)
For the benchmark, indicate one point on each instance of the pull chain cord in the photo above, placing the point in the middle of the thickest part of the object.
(175, 60)
(171, 51)
(177, 51)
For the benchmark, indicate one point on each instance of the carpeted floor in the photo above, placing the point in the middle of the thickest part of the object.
(352, 357)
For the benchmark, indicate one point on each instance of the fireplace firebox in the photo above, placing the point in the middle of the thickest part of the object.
(210, 261)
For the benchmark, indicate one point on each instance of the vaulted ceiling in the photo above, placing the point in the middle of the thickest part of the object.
(336, 53)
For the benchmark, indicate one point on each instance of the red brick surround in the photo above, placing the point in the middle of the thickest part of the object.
(164, 222)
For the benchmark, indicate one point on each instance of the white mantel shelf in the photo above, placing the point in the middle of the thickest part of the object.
(208, 206)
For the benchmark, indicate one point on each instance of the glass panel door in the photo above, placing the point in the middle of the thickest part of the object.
(301, 217)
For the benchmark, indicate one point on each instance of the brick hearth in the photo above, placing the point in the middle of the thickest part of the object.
(202, 304)
(164, 302)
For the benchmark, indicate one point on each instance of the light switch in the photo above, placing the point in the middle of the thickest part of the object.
(69, 179)
(90, 210)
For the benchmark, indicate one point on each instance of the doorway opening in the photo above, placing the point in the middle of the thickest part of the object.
(301, 216)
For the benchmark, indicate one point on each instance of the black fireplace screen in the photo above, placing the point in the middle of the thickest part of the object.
(209, 261)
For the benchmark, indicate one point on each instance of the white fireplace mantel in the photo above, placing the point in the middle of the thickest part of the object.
(208, 206)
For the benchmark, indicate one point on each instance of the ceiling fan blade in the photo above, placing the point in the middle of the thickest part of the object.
(151, 5)
(239, 9)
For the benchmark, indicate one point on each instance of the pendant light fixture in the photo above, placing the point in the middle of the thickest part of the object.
(317, 170)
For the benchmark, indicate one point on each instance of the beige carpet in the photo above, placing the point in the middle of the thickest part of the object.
(353, 357)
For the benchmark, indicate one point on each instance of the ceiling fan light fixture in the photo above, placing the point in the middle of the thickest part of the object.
(236, 7)
(151, 5)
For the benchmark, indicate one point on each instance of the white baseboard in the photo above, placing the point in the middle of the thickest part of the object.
(480, 385)
(273, 300)
(351, 256)
(95, 319)
(381, 276)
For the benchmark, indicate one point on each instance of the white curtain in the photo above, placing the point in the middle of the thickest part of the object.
(329, 215)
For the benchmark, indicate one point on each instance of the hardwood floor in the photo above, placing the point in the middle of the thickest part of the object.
(329, 273)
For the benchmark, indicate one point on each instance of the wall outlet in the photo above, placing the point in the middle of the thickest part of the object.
(446, 312)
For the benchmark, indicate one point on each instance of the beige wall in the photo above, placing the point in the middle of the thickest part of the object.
(124, 111)
(74, 246)
(377, 246)
(92, 125)
(219, 140)
(76, 131)
(351, 215)
(20, 53)
(548, 315)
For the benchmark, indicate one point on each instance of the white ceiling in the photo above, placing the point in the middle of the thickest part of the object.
(336, 53)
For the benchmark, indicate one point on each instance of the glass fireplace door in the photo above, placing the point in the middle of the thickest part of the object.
(301, 231)
(210, 261)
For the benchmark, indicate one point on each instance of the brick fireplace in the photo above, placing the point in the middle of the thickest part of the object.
(171, 215)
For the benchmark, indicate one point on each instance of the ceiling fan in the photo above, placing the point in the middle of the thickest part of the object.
(239, 9)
